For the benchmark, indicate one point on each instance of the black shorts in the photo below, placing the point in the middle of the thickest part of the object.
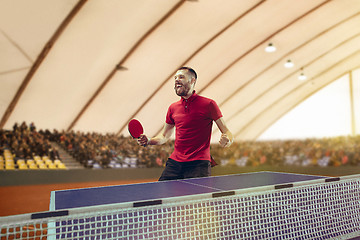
(181, 170)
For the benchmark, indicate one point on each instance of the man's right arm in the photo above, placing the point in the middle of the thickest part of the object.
(161, 138)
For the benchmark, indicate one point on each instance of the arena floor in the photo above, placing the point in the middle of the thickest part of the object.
(36, 198)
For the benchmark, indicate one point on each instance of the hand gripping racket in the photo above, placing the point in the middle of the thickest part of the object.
(135, 128)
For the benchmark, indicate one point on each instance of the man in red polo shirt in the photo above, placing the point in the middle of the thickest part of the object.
(192, 116)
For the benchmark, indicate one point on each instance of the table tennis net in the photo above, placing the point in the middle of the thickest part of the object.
(317, 209)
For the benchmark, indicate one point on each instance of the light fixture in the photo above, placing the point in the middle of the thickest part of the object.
(289, 64)
(270, 48)
(302, 76)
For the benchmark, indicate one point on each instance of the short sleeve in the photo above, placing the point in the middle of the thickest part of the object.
(215, 112)
(169, 119)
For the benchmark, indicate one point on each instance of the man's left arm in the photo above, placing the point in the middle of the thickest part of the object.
(226, 138)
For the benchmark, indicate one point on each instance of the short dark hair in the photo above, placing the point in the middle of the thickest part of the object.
(192, 71)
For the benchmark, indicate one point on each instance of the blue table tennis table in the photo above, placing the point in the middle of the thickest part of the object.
(150, 192)
(258, 205)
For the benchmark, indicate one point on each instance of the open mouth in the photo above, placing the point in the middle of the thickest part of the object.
(178, 85)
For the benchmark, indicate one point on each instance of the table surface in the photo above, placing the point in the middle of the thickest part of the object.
(84, 197)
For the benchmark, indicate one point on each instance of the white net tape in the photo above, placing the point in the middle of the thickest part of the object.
(327, 210)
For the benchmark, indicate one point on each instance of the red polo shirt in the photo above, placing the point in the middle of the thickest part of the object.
(193, 119)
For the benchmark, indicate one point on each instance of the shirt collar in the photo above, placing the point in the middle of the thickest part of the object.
(191, 98)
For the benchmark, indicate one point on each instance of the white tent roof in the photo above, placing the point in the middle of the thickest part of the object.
(94, 65)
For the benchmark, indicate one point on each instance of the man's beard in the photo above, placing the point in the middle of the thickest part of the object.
(181, 91)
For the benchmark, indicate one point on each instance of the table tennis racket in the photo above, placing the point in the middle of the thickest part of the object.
(135, 128)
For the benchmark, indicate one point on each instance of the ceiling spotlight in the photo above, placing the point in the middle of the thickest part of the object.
(289, 64)
(270, 48)
(302, 77)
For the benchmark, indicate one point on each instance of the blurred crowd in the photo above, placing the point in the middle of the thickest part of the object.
(25, 142)
(324, 152)
(111, 151)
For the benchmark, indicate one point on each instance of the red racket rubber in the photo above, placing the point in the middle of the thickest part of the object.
(135, 128)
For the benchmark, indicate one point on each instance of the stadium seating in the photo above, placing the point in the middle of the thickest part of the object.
(8, 162)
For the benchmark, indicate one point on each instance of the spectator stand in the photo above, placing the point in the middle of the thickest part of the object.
(22, 147)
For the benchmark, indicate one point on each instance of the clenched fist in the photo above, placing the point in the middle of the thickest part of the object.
(225, 141)
(143, 140)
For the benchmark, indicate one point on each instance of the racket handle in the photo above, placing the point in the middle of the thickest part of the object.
(142, 138)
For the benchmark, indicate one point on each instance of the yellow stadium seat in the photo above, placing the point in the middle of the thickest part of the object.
(7, 151)
(33, 166)
(36, 157)
(30, 161)
(44, 158)
(39, 161)
(61, 166)
(21, 161)
(51, 166)
(42, 166)
(23, 166)
(1, 158)
(9, 167)
(48, 162)
(9, 163)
